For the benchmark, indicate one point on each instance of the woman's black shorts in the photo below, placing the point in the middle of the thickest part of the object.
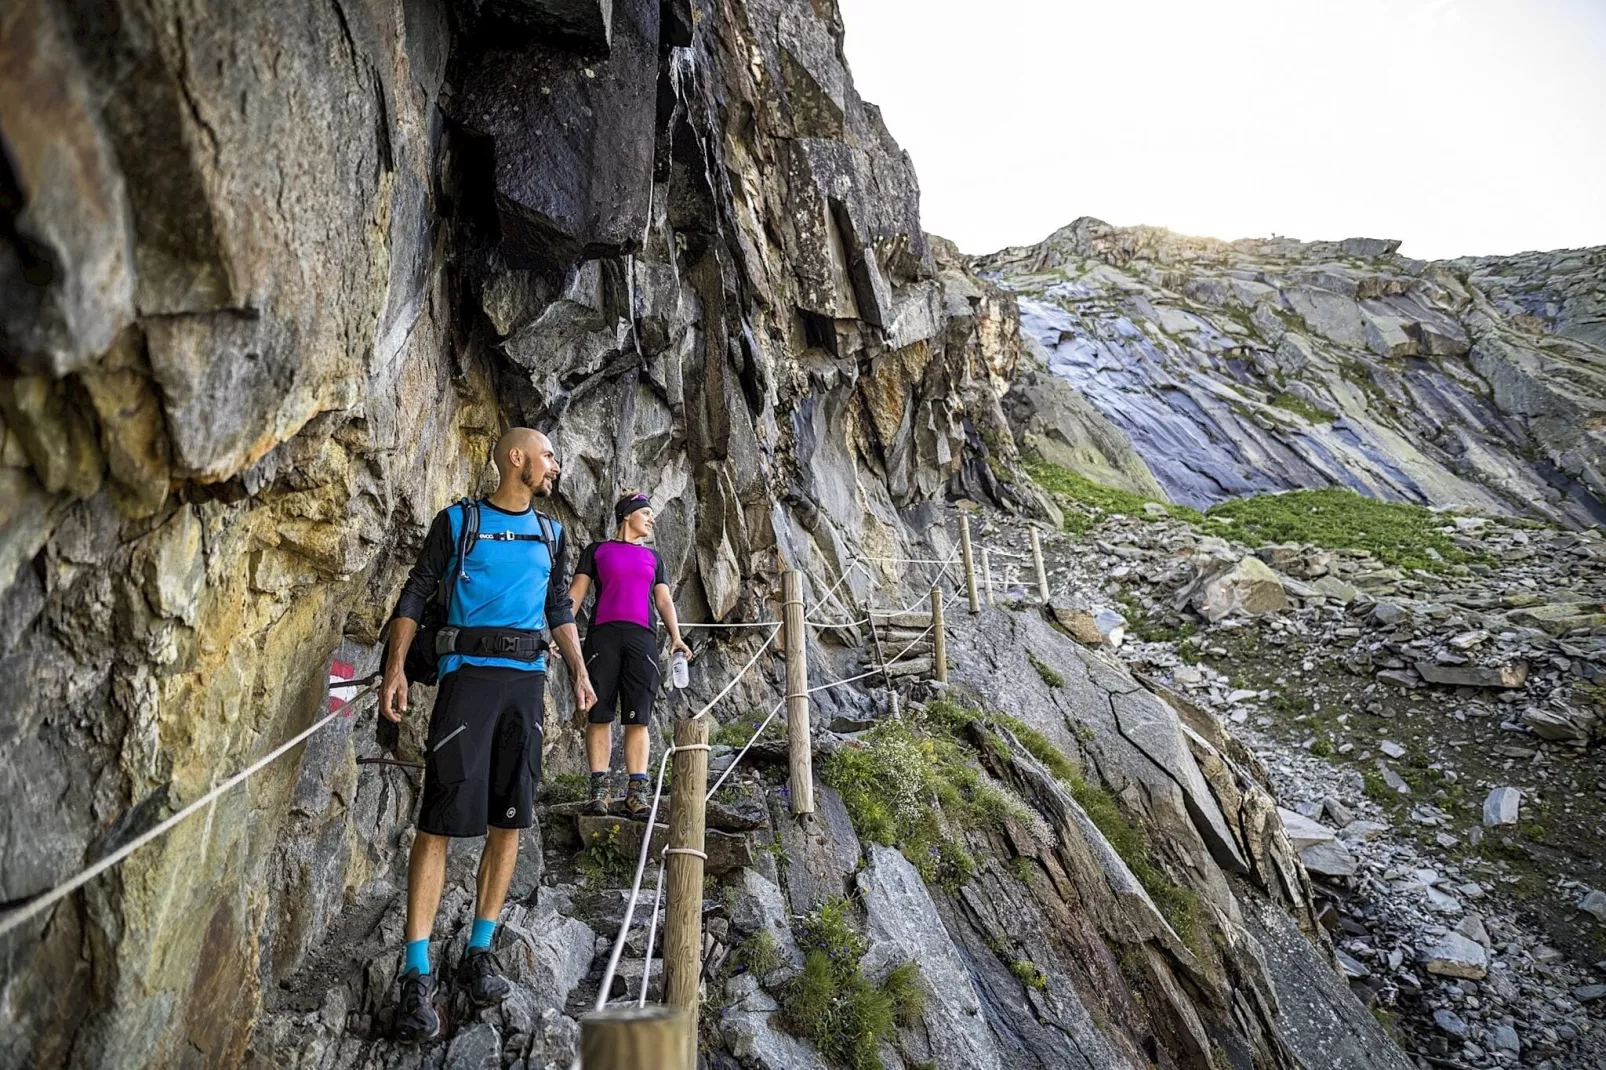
(622, 659)
(483, 761)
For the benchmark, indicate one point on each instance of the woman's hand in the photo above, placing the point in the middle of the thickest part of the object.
(679, 645)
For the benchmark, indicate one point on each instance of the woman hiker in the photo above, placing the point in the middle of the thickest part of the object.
(621, 648)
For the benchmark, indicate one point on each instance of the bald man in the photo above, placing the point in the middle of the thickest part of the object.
(483, 756)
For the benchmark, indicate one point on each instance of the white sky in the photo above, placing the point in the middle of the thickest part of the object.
(1458, 126)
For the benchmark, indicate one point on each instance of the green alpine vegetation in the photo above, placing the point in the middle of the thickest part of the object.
(1398, 534)
(904, 771)
(832, 1003)
(1091, 501)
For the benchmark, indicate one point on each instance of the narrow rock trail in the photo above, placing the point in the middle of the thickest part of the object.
(1480, 944)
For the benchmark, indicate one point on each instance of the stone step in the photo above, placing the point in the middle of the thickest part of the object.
(609, 911)
(916, 621)
(912, 667)
(902, 650)
(899, 636)
(726, 851)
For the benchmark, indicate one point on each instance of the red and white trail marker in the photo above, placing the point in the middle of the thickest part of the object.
(339, 672)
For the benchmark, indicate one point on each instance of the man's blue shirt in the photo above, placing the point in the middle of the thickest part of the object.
(505, 583)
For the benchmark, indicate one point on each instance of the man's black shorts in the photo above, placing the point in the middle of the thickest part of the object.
(622, 659)
(484, 753)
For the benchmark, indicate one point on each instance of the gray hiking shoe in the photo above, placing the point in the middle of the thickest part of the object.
(480, 976)
(416, 1017)
(597, 802)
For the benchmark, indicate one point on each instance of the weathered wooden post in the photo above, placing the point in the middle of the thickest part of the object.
(1037, 559)
(634, 1038)
(683, 923)
(970, 562)
(798, 732)
(987, 573)
(939, 638)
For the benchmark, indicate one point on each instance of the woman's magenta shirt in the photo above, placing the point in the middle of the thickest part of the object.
(624, 574)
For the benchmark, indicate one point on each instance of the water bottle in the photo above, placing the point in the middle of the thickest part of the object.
(678, 670)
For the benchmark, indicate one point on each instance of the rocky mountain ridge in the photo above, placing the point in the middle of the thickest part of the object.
(1233, 368)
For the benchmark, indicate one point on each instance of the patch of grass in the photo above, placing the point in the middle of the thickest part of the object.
(1395, 533)
(1322, 748)
(908, 996)
(759, 953)
(1027, 973)
(565, 787)
(833, 1004)
(909, 785)
(1049, 675)
(782, 859)
(736, 733)
(1296, 404)
(1376, 788)
(1094, 501)
(1040, 747)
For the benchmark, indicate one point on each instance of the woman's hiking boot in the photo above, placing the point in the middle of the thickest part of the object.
(597, 801)
(636, 802)
(416, 1017)
(480, 976)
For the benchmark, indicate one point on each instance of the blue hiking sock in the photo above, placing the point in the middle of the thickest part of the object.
(417, 956)
(484, 929)
(638, 776)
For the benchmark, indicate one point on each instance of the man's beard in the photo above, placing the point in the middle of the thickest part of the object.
(527, 477)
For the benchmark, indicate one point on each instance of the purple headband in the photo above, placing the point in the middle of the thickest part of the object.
(625, 506)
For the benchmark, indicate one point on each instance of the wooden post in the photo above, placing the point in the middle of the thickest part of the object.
(939, 639)
(683, 922)
(987, 573)
(798, 731)
(633, 1038)
(1037, 559)
(970, 562)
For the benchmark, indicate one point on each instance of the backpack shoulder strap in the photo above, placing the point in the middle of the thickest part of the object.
(548, 531)
(471, 528)
(468, 534)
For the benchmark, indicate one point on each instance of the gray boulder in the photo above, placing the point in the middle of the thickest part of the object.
(1221, 589)
(903, 925)
(1454, 955)
(1501, 806)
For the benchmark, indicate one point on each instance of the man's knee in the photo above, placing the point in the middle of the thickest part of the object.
(426, 844)
(500, 841)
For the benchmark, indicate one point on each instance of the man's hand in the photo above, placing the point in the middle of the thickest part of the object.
(393, 695)
(680, 645)
(585, 696)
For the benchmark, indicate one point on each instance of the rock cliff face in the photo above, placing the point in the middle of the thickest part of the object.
(272, 279)
(1256, 365)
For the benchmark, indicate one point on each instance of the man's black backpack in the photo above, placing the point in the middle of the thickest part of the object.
(423, 656)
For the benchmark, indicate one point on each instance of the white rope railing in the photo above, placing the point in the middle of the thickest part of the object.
(617, 951)
(45, 900)
(652, 816)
